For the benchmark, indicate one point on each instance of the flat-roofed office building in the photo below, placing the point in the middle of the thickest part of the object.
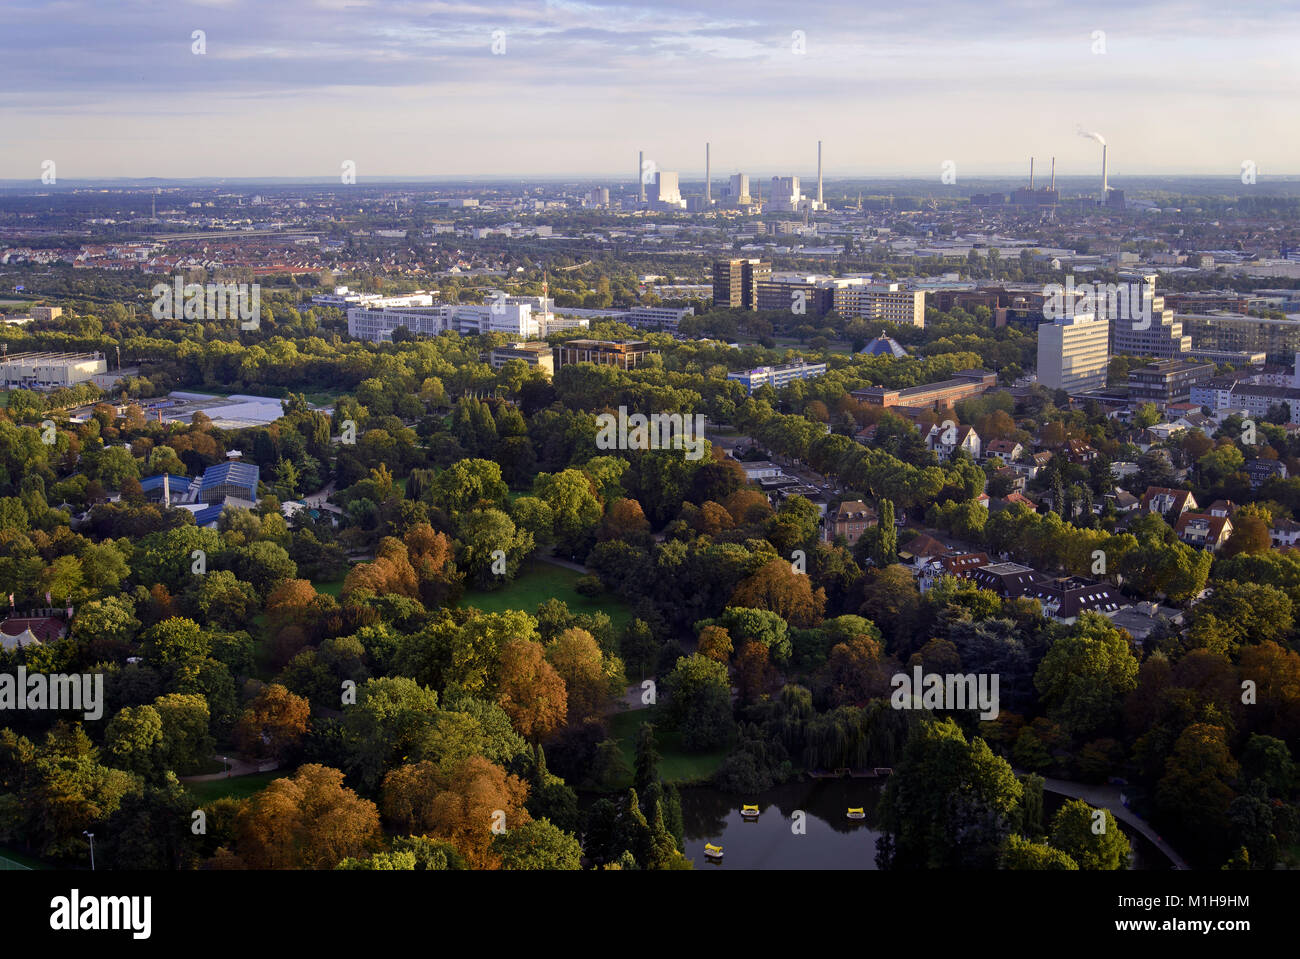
(881, 301)
(1167, 381)
(625, 354)
(1074, 353)
(1279, 340)
(538, 354)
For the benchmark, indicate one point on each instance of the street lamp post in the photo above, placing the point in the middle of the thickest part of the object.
(92, 848)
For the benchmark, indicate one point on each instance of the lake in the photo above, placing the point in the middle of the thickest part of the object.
(830, 840)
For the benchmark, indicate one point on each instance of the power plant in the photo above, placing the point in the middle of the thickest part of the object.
(1028, 196)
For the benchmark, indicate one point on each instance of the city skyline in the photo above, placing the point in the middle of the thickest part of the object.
(403, 89)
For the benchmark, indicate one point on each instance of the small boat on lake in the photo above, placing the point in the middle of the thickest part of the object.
(749, 812)
(857, 812)
(712, 852)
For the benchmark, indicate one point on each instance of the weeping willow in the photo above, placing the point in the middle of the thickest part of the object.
(856, 738)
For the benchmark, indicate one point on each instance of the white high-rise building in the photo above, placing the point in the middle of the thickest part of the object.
(785, 196)
(1074, 353)
(665, 190)
(738, 190)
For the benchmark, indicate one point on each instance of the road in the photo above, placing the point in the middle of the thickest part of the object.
(237, 767)
(1108, 797)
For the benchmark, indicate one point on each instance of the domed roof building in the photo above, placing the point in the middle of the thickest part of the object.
(884, 346)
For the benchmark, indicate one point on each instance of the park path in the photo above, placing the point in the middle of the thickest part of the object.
(238, 767)
(556, 561)
(1110, 797)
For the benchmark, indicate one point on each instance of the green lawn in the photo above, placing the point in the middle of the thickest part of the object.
(238, 787)
(331, 587)
(536, 583)
(677, 765)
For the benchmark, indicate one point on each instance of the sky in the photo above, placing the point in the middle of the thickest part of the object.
(123, 88)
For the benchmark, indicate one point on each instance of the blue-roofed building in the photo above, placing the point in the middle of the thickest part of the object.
(209, 515)
(234, 479)
(884, 346)
(167, 488)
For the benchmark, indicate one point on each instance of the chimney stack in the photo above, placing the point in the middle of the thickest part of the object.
(640, 176)
(708, 182)
(1053, 173)
(1105, 186)
(1031, 174)
(820, 203)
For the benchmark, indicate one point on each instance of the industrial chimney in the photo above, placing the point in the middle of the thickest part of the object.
(708, 182)
(820, 203)
(640, 177)
(1053, 173)
(1105, 186)
(1031, 174)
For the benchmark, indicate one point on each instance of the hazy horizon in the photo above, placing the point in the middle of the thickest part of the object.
(414, 89)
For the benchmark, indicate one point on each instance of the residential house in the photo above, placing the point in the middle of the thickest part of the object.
(1015, 481)
(1159, 499)
(851, 520)
(1078, 452)
(946, 438)
(1125, 502)
(1066, 597)
(1285, 533)
(1261, 471)
(1008, 451)
(919, 550)
(1008, 580)
(1203, 530)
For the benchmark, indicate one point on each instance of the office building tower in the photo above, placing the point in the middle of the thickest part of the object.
(1074, 353)
(735, 282)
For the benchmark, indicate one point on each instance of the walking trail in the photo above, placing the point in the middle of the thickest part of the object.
(1109, 797)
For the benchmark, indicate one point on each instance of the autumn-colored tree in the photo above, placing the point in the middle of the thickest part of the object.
(624, 520)
(406, 798)
(309, 821)
(713, 519)
(775, 586)
(289, 603)
(715, 643)
(472, 797)
(748, 505)
(530, 690)
(1250, 531)
(578, 660)
(390, 572)
(273, 723)
(1275, 673)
